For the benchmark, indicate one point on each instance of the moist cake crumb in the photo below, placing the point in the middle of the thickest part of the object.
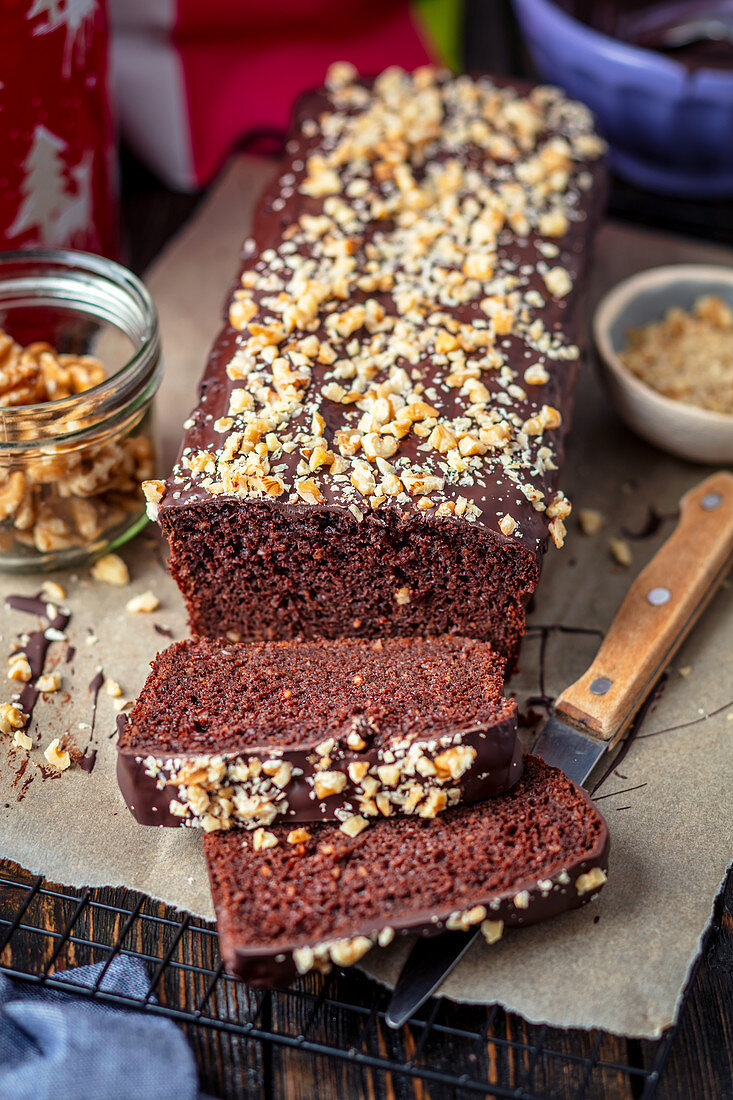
(227, 733)
(534, 852)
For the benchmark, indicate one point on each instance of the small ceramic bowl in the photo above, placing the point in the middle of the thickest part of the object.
(685, 430)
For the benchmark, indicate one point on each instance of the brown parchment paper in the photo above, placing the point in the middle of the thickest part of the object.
(620, 963)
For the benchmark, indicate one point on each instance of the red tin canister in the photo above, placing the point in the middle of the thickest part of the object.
(57, 149)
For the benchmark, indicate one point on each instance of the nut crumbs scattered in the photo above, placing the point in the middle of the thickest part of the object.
(111, 569)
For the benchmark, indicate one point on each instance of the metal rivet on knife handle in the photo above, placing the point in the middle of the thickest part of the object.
(710, 501)
(658, 596)
(601, 685)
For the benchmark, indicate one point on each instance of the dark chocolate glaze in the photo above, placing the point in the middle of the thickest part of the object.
(655, 27)
(37, 645)
(493, 493)
(88, 760)
(94, 689)
(266, 966)
(496, 767)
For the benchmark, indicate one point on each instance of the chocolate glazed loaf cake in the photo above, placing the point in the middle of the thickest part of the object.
(376, 446)
(306, 898)
(230, 734)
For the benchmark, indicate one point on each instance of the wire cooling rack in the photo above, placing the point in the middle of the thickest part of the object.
(248, 1041)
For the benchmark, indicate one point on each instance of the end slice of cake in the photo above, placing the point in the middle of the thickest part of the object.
(291, 900)
(249, 733)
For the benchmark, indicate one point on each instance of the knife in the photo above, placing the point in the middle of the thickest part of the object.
(591, 717)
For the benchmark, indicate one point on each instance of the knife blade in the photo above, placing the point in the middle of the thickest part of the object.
(591, 717)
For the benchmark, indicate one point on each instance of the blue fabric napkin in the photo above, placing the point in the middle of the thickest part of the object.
(54, 1045)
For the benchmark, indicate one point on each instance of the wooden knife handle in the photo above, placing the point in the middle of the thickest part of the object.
(660, 609)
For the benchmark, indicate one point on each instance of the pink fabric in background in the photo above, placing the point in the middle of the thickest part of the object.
(193, 77)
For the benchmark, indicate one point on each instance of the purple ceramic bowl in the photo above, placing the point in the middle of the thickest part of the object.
(670, 129)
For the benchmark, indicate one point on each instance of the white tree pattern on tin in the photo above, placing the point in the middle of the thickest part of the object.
(75, 16)
(59, 216)
(75, 217)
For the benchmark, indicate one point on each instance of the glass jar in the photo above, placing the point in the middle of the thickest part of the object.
(70, 469)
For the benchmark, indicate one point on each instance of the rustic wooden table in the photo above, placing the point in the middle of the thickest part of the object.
(700, 1062)
(56, 928)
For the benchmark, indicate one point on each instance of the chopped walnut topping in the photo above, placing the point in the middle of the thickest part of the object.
(620, 552)
(153, 493)
(53, 591)
(408, 202)
(56, 756)
(347, 952)
(262, 840)
(507, 525)
(521, 900)
(455, 761)
(536, 375)
(21, 740)
(329, 783)
(434, 804)
(11, 718)
(383, 804)
(353, 825)
(559, 507)
(492, 930)
(558, 282)
(283, 774)
(358, 770)
(309, 491)
(557, 531)
(143, 604)
(590, 521)
(463, 921)
(304, 959)
(50, 682)
(111, 569)
(389, 774)
(370, 786)
(19, 667)
(592, 880)
(112, 688)
(298, 836)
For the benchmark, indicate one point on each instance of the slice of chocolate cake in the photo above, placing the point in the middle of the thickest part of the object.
(288, 900)
(230, 733)
(381, 422)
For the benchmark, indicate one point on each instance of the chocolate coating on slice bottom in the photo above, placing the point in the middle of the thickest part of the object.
(494, 753)
(243, 734)
(522, 857)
